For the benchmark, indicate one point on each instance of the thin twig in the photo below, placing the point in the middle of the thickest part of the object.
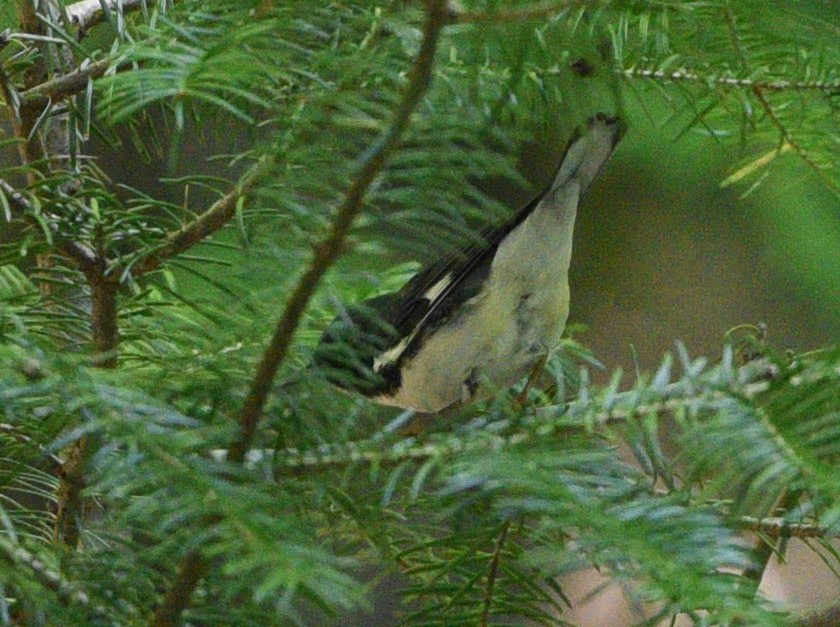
(220, 213)
(780, 528)
(764, 550)
(492, 573)
(327, 252)
(65, 85)
(793, 143)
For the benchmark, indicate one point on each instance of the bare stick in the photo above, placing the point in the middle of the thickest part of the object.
(193, 565)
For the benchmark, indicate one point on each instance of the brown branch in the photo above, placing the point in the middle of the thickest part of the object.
(190, 572)
(193, 565)
(220, 213)
(492, 573)
(69, 496)
(106, 338)
(22, 121)
(533, 11)
(730, 81)
(63, 86)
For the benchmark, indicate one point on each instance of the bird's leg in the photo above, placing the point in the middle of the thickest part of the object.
(417, 426)
(538, 366)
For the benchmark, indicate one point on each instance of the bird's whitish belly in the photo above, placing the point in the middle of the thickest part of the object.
(492, 344)
(502, 333)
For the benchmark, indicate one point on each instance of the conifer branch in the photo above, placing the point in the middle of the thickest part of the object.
(327, 252)
(17, 434)
(17, 557)
(104, 329)
(65, 85)
(830, 87)
(217, 215)
(780, 528)
(748, 381)
(79, 253)
(790, 141)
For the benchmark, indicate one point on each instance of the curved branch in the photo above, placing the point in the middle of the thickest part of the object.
(194, 565)
(329, 249)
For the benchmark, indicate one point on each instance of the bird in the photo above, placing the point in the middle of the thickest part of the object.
(475, 322)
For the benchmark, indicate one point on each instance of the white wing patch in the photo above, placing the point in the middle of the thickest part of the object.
(391, 355)
(437, 289)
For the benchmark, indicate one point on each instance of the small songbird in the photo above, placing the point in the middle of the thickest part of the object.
(478, 321)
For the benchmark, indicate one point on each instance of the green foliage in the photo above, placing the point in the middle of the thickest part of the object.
(654, 483)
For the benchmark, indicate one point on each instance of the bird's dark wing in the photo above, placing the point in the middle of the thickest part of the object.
(348, 347)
